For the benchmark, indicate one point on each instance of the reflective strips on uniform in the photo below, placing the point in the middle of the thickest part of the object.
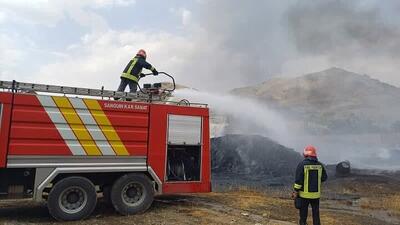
(129, 76)
(61, 124)
(92, 126)
(306, 193)
(297, 186)
(77, 126)
(106, 126)
(127, 71)
(133, 63)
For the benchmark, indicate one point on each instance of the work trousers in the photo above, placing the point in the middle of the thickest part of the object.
(304, 211)
(125, 82)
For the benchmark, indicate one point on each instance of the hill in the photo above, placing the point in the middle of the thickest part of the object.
(332, 101)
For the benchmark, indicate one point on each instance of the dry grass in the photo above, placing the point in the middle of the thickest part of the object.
(273, 206)
(330, 218)
(247, 199)
(391, 203)
(244, 206)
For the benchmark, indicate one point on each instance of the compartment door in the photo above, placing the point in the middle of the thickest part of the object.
(184, 130)
(184, 150)
(5, 117)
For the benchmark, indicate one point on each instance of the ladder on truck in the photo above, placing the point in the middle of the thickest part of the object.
(34, 88)
(149, 94)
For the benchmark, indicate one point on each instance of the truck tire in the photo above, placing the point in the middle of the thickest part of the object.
(132, 194)
(72, 198)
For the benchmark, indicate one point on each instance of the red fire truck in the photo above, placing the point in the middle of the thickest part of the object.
(67, 146)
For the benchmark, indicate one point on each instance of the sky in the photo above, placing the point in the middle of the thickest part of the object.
(212, 45)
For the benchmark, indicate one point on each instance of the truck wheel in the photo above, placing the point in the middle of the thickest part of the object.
(132, 193)
(72, 198)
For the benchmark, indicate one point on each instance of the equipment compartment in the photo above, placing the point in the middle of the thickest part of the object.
(183, 163)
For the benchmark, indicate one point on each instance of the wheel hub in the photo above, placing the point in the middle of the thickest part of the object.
(73, 197)
(72, 200)
(133, 194)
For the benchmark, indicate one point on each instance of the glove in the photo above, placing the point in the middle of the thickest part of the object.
(155, 72)
(142, 75)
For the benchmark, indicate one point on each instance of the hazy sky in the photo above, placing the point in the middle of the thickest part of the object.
(206, 44)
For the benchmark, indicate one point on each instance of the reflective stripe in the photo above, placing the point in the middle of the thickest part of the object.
(61, 124)
(305, 193)
(297, 186)
(77, 126)
(106, 126)
(91, 126)
(308, 195)
(127, 74)
(134, 61)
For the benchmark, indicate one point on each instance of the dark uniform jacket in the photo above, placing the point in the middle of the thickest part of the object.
(134, 68)
(310, 173)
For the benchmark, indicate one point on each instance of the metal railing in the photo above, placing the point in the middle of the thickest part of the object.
(140, 96)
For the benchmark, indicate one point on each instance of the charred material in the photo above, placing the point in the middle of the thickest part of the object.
(252, 155)
(343, 169)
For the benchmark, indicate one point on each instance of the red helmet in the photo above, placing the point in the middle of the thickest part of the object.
(142, 52)
(310, 151)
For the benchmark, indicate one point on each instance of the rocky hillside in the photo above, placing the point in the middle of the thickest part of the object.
(334, 100)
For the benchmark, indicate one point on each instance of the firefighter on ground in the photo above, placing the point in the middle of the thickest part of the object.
(133, 71)
(310, 173)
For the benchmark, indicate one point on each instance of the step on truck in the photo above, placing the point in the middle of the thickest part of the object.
(69, 146)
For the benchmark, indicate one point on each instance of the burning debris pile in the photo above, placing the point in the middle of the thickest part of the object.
(252, 155)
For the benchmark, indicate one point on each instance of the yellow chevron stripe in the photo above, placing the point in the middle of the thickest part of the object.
(106, 126)
(77, 126)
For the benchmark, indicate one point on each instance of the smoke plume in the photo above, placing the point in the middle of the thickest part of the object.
(242, 43)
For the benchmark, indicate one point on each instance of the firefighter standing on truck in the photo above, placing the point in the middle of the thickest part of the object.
(133, 72)
(310, 173)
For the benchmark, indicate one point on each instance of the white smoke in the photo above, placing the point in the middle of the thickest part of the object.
(245, 116)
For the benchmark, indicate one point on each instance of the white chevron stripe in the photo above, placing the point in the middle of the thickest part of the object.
(61, 124)
(91, 126)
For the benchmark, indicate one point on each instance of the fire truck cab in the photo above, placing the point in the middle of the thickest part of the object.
(69, 150)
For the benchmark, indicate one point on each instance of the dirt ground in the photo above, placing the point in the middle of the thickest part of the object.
(366, 200)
